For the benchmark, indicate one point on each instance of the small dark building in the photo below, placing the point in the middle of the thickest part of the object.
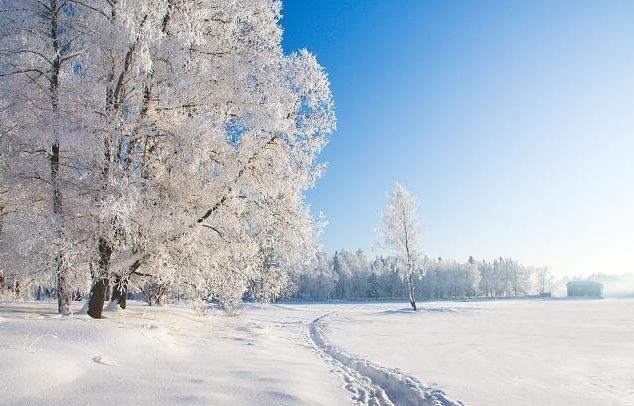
(585, 289)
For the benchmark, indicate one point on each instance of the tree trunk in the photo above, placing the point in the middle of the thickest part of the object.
(100, 286)
(2, 214)
(63, 298)
(412, 298)
(97, 298)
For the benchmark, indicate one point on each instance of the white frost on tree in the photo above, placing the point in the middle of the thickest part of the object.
(161, 143)
(401, 232)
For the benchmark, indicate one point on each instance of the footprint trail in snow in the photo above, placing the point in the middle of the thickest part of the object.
(373, 384)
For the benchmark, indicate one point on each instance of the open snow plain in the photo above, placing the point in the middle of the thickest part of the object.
(500, 353)
(511, 352)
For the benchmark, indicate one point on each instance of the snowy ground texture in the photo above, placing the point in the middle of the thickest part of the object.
(520, 352)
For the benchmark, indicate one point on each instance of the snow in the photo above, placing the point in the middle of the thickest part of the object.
(112, 307)
(516, 352)
(511, 352)
(162, 355)
(372, 383)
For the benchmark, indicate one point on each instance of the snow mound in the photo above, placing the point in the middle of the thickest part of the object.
(113, 307)
(84, 308)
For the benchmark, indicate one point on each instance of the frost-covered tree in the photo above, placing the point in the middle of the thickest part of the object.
(390, 277)
(401, 231)
(345, 277)
(41, 44)
(543, 279)
(472, 278)
(226, 145)
(188, 140)
(520, 278)
(486, 278)
(317, 279)
(373, 286)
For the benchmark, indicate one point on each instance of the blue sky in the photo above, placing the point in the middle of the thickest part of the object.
(511, 122)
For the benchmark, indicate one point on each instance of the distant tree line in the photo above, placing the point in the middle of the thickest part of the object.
(352, 276)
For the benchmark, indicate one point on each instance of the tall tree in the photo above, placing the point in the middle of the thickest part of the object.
(40, 43)
(187, 140)
(401, 231)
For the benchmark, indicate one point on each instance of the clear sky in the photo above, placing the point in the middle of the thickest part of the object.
(511, 122)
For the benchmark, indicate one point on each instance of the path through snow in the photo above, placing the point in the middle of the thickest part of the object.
(373, 384)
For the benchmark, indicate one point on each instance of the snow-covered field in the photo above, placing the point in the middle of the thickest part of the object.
(520, 352)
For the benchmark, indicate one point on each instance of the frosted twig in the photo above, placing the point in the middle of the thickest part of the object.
(36, 340)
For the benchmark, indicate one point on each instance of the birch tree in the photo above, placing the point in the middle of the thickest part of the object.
(401, 232)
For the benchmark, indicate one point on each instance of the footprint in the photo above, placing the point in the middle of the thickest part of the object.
(373, 384)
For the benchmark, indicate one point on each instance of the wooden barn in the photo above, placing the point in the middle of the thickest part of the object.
(585, 289)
